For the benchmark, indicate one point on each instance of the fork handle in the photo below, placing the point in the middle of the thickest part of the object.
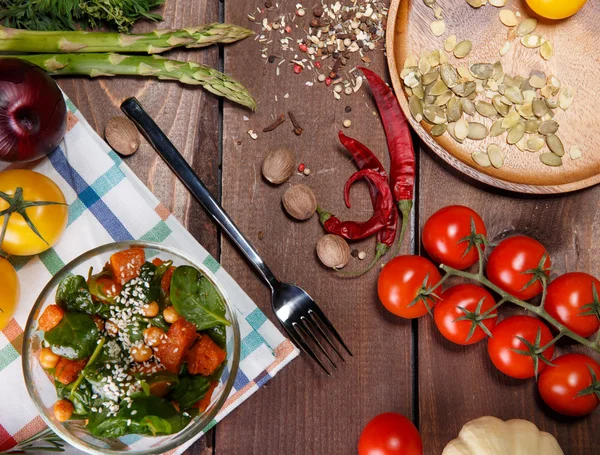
(186, 174)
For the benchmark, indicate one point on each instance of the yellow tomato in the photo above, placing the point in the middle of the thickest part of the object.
(49, 220)
(556, 9)
(9, 296)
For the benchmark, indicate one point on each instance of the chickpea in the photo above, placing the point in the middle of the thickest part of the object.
(170, 315)
(153, 336)
(63, 410)
(48, 359)
(150, 310)
(141, 353)
(99, 322)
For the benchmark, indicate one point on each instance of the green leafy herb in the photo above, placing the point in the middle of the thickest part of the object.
(81, 397)
(190, 390)
(42, 442)
(73, 14)
(218, 335)
(75, 337)
(197, 299)
(97, 290)
(74, 294)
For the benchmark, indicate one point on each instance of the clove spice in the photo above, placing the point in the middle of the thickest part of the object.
(278, 121)
(297, 128)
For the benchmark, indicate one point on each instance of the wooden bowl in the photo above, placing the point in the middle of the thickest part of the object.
(575, 63)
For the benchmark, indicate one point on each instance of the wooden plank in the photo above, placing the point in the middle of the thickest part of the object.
(458, 384)
(189, 116)
(302, 411)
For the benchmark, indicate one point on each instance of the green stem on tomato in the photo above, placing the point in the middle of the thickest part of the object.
(538, 310)
(544, 281)
(91, 360)
(480, 259)
(495, 307)
(552, 342)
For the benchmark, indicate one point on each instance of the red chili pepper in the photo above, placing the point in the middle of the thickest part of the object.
(352, 230)
(366, 159)
(400, 146)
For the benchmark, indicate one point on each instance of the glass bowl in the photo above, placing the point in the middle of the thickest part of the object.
(41, 387)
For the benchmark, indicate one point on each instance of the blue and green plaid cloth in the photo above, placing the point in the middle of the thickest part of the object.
(108, 203)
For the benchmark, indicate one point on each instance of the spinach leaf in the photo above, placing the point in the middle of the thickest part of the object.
(197, 299)
(148, 415)
(73, 294)
(74, 337)
(81, 397)
(97, 290)
(159, 321)
(219, 335)
(190, 389)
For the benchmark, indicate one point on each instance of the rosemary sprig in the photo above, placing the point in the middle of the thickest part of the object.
(44, 441)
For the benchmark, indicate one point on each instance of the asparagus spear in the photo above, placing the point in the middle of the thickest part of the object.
(151, 43)
(108, 64)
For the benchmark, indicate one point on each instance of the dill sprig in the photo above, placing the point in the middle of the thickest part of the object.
(44, 441)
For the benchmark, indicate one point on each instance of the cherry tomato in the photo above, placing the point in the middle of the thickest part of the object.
(568, 295)
(556, 9)
(50, 220)
(505, 341)
(510, 260)
(400, 282)
(10, 291)
(559, 385)
(443, 232)
(463, 301)
(390, 434)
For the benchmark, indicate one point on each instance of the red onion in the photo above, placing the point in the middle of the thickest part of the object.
(33, 114)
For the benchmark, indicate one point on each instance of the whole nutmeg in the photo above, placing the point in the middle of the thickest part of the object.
(300, 202)
(333, 251)
(122, 135)
(278, 165)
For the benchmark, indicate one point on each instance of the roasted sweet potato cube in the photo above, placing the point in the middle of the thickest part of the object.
(165, 282)
(180, 336)
(67, 371)
(50, 318)
(203, 404)
(204, 357)
(126, 264)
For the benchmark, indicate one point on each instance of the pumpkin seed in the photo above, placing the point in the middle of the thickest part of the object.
(451, 132)
(498, 72)
(496, 156)
(424, 65)
(461, 129)
(477, 131)
(464, 73)
(554, 83)
(486, 109)
(522, 145)
(548, 127)
(516, 133)
(555, 144)
(429, 99)
(526, 27)
(511, 120)
(455, 109)
(508, 17)
(438, 88)
(407, 71)
(511, 82)
(502, 108)
(535, 143)
(497, 3)
(532, 126)
(546, 91)
(529, 96)
(411, 80)
(551, 103)
(443, 58)
(450, 43)
(525, 110)
(481, 158)
(434, 59)
(419, 91)
(470, 88)
(438, 27)
(514, 95)
(550, 159)
(547, 50)
(575, 152)
(482, 70)
(475, 3)
(430, 3)
(410, 62)
(415, 106)
(505, 100)
(531, 41)
(496, 129)
(434, 114)
(438, 130)
(565, 97)
(449, 75)
(537, 81)
(549, 116)
(438, 13)
(505, 48)
(430, 77)
(539, 108)
(468, 106)
(463, 49)
(442, 99)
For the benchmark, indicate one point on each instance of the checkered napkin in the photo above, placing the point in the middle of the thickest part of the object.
(108, 203)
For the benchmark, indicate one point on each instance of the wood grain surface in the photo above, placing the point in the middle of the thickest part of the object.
(573, 41)
(398, 365)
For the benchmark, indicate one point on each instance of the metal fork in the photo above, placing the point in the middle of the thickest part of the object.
(297, 312)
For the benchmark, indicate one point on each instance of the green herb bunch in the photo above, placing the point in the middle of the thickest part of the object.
(74, 14)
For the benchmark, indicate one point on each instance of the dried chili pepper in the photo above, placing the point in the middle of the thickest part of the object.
(400, 146)
(352, 230)
(366, 159)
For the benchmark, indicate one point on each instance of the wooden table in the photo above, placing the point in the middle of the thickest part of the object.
(398, 365)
